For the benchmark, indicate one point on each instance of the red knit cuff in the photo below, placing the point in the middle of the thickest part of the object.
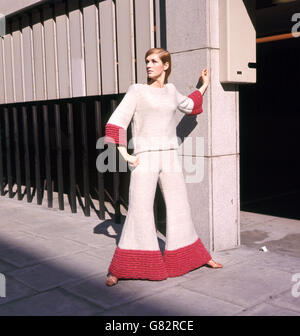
(185, 259)
(115, 134)
(197, 98)
(138, 264)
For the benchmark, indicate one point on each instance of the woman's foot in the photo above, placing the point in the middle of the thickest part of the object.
(214, 264)
(111, 280)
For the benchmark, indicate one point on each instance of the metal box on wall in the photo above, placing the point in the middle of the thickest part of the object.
(237, 43)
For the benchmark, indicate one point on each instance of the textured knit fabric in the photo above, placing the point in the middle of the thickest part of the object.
(185, 259)
(135, 264)
(152, 114)
(138, 254)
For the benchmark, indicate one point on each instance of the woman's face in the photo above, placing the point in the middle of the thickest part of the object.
(155, 67)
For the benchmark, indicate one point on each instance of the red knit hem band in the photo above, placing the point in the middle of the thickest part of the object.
(197, 98)
(185, 259)
(138, 264)
(115, 134)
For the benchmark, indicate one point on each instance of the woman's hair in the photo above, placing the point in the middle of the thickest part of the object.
(164, 55)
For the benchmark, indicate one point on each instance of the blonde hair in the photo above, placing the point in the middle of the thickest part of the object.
(164, 56)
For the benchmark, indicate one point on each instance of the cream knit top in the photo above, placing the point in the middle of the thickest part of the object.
(151, 112)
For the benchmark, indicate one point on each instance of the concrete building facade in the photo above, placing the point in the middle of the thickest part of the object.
(68, 49)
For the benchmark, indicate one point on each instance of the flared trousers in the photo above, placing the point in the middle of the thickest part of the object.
(138, 255)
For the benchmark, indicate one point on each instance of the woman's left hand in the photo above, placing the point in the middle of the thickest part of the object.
(205, 76)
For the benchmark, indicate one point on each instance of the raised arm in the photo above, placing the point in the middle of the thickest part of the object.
(205, 81)
(192, 104)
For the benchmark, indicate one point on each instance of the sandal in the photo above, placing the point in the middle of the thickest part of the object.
(111, 280)
(211, 263)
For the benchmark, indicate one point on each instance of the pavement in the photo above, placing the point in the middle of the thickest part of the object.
(55, 263)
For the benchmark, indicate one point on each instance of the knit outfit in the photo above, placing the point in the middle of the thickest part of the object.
(151, 112)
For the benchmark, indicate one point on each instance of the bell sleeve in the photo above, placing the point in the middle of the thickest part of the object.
(191, 104)
(116, 126)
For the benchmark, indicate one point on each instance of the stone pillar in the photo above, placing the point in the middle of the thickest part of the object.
(192, 35)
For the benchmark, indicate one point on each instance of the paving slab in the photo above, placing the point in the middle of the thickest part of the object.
(12, 225)
(86, 236)
(94, 289)
(265, 309)
(287, 300)
(52, 303)
(58, 271)
(278, 234)
(242, 284)
(248, 218)
(31, 216)
(6, 267)
(176, 302)
(289, 244)
(276, 260)
(9, 239)
(31, 250)
(71, 254)
(105, 253)
(275, 228)
(234, 256)
(15, 290)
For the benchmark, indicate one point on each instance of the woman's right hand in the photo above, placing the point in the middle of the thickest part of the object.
(133, 161)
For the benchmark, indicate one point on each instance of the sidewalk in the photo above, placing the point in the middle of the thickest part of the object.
(55, 263)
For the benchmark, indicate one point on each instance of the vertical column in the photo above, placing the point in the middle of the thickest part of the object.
(60, 181)
(214, 198)
(26, 154)
(91, 47)
(27, 58)
(47, 156)
(50, 52)
(17, 60)
(63, 50)
(100, 177)
(2, 86)
(1, 155)
(125, 43)
(17, 152)
(71, 157)
(144, 28)
(38, 56)
(76, 49)
(8, 153)
(108, 50)
(116, 177)
(8, 66)
(85, 160)
(37, 154)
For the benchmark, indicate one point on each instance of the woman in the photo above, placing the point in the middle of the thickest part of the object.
(151, 108)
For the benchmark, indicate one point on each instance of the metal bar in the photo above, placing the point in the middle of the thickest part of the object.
(47, 156)
(116, 177)
(72, 158)
(161, 21)
(8, 150)
(1, 159)
(277, 37)
(59, 157)
(37, 155)
(27, 158)
(17, 152)
(100, 177)
(85, 163)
